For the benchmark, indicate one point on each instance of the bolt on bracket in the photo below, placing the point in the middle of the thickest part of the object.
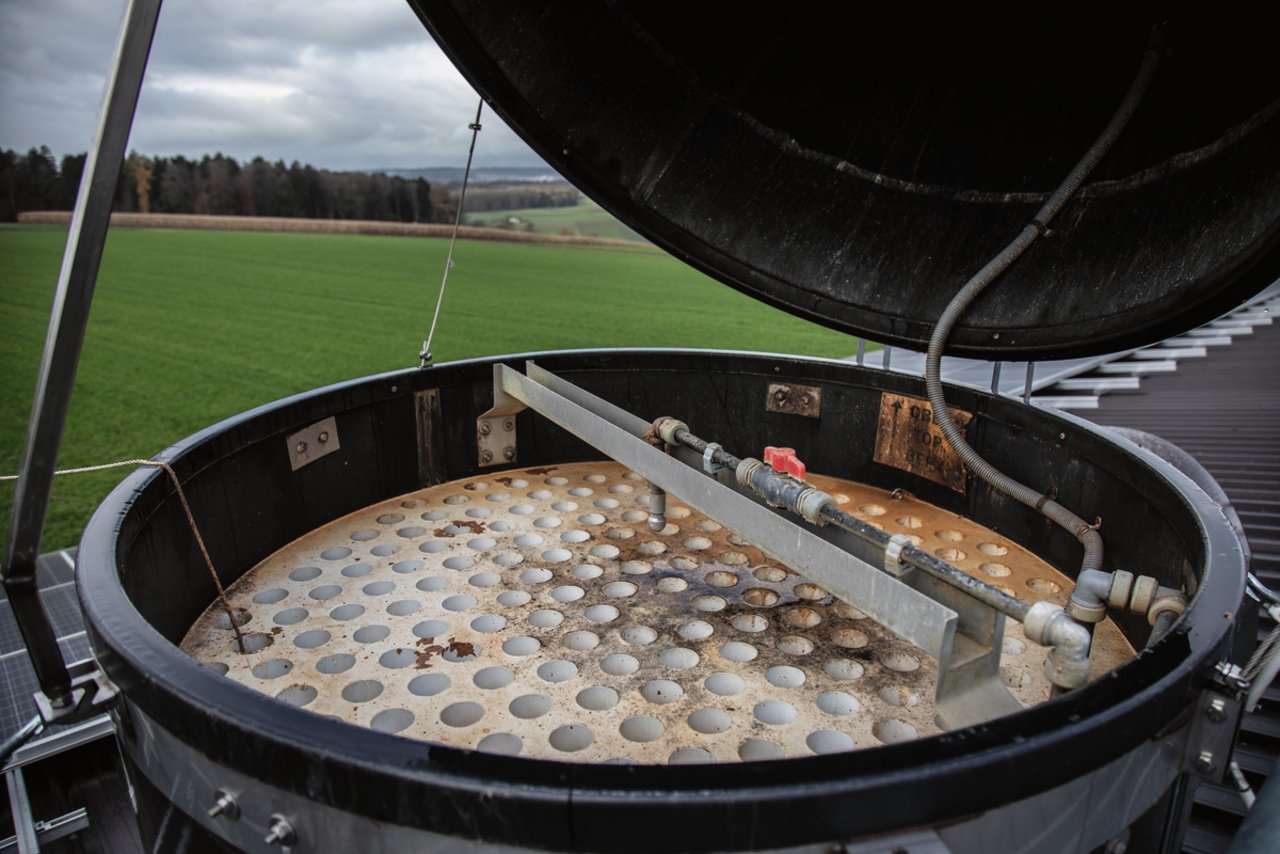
(91, 694)
(789, 399)
(496, 428)
(1212, 735)
(311, 443)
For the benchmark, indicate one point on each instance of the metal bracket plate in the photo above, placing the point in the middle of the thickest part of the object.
(1212, 735)
(311, 443)
(496, 440)
(496, 428)
(803, 400)
(91, 691)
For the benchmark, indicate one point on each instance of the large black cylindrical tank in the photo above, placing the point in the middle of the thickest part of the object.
(188, 732)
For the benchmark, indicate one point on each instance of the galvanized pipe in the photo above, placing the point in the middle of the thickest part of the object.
(959, 304)
(912, 556)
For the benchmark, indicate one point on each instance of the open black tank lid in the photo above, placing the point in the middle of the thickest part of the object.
(856, 169)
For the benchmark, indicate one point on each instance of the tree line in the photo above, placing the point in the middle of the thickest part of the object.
(219, 185)
(517, 195)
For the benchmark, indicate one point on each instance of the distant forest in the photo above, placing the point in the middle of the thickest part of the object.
(219, 185)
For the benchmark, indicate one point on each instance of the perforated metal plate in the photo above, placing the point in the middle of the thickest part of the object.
(535, 613)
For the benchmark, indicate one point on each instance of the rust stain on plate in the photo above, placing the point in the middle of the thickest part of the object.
(907, 438)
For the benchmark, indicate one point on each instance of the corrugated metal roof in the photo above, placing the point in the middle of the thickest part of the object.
(1224, 409)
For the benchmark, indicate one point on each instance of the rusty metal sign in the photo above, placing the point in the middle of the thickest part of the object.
(907, 438)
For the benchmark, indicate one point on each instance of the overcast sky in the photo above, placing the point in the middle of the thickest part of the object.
(343, 84)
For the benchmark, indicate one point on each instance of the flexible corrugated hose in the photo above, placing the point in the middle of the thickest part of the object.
(960, 303)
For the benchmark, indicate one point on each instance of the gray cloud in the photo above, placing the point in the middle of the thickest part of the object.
(336, 83)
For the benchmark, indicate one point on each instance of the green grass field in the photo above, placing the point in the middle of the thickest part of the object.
(189, 327)
(585, 218)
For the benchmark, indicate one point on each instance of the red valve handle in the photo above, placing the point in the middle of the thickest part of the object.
(784, 461)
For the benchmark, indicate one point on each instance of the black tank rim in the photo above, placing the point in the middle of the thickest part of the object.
(627, 807)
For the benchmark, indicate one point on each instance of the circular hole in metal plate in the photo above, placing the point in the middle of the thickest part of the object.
(828, 741)
(639, 635)
(370, 634)
(774, 712)
(362, 690)
(725, 684)
(461, 714)
(392, 720)
(270, 596)
(503, 743)
(521, 645)
(641, 728)
(311, 638)
(339, 662)
(546, 618)
(288, 616)
(530, 706)
(709, 604)
(754, 749)
(597, 698)
(557, 670)
(428, 684)
(273, 669)
(491, 678)
(784, 676)
(298, 695)
(489, 623)
(394, 659)
(843, 669)
(709, 721)
(893, 731)
(571, 738)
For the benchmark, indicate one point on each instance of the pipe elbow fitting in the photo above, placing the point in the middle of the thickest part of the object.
(1088, 602)
(1167, 601)
(1067, 665)
(1066, 672)
(1038, 620)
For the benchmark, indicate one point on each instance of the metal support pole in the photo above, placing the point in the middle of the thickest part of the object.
(24, 828)
(1027, 386)
(62, 346)
(995, 377)
(888, 357)
(862, 350)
